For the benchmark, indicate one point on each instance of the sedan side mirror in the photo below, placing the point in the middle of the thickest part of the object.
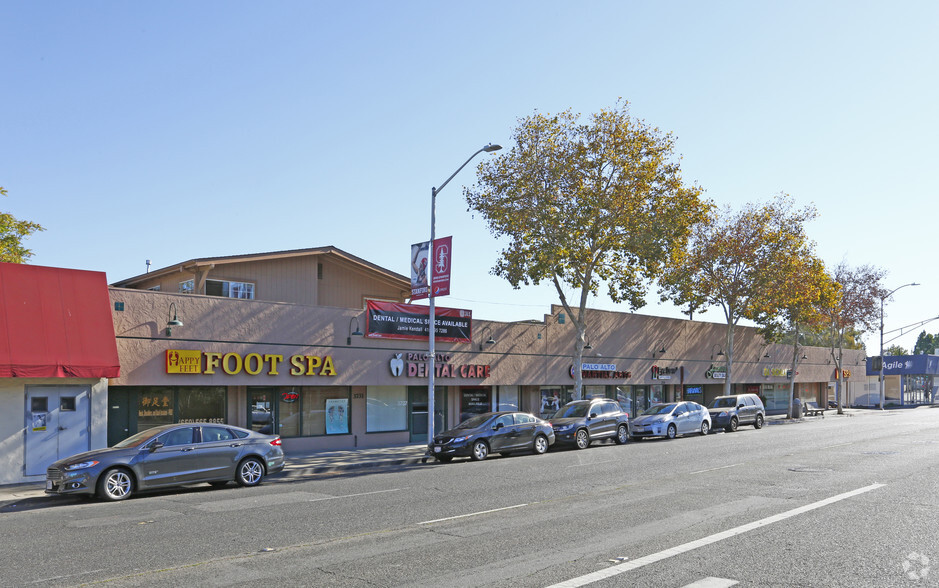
(154, 446)
(593, 415)
(498, 426)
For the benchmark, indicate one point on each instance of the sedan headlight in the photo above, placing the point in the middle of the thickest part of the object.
(458, 439)
(80, 466)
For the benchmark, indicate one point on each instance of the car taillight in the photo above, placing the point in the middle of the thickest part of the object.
(276, 442)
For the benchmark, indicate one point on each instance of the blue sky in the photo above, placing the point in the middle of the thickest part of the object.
(173, 130)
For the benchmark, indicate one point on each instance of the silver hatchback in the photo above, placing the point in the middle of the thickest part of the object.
(169, 455)
(671, 420)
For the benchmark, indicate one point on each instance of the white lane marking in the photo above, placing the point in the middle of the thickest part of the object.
(354, 495)
(680, 549)
(836, 445)
(472, 514)
(711, 582)
(580, 465)
(715, 469)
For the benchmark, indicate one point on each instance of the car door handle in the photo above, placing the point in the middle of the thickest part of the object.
(236, 444)
(187, 449)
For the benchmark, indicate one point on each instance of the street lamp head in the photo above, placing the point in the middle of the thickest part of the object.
(490, 148)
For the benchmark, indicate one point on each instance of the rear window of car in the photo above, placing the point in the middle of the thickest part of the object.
(521, 418)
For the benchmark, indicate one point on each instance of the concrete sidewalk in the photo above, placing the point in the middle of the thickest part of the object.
(301, 465)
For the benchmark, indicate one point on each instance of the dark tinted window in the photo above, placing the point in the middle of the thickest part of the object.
(505, 420)
(610, 408)
(211, 434)
(574, 409)
(177, 437)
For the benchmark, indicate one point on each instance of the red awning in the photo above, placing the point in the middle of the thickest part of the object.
(55, 323)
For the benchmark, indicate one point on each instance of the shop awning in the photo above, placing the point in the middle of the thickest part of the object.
(55, 323)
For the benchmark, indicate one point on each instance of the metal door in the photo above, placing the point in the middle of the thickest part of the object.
(57, 424)
(119, 413)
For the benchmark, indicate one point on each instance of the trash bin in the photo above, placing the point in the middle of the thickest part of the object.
(796, 412)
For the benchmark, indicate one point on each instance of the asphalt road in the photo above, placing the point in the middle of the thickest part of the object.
(841, 501)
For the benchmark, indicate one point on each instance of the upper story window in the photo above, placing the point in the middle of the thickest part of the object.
(224, 288)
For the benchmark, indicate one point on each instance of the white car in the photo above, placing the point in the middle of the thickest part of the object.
(671, 420)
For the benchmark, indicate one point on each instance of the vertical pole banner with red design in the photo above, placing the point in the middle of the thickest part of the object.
(440, 257)
(441, 260)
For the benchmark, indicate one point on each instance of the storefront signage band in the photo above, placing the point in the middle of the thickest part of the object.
(190, 361)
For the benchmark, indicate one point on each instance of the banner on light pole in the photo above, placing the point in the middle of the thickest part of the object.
(421, 258)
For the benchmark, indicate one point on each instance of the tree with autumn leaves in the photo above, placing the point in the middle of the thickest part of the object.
(740, 261)
(584, 204)
(854, 312)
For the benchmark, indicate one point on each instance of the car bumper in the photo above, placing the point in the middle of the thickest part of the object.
(720, 421)
(658, 430)
(449, 450)
(62, 483)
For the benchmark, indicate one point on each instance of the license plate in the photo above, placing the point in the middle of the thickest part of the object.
(48, 484)
(437, 449)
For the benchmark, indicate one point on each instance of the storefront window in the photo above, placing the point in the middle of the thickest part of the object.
(474, 401)
(201, 405)
(288, 401)
(325, 410)
(508, 398)
(594, 392)
(553, 398)
(386, 409)
(155, 406)
(623, 395)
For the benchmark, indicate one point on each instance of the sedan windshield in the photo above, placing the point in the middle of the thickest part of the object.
(660, 409)
(474, 422)
(726, 402)
(572, 411)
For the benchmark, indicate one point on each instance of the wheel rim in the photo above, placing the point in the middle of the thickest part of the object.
(704, 428)
(118, 485)
(251, 472)
(582, 439)
(541, 444)
(733, 424)
(623, 434)
(671, 431)
(481, 451)
(759, 421)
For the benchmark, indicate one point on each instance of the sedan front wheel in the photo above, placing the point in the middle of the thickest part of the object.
(672, 431)
(115, 484)
(480, 451)
(705, 427)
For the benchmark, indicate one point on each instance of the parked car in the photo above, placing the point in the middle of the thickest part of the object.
(581, 422)
(502, 432)
(169, 455)
(671, 420)
(729, 412)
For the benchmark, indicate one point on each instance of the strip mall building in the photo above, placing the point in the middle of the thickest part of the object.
(296, 343)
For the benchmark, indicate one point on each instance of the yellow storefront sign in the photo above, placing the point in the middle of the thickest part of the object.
(183, 361)
(188, 361)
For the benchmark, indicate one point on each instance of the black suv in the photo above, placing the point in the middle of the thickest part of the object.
(739, 409)
(582, 421)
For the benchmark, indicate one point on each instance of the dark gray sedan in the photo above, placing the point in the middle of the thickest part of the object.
(503, 432)
(169, 455)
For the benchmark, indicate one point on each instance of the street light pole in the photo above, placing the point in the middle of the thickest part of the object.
(432, 325)
(882, 298)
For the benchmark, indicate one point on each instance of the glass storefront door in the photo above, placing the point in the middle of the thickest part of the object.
(417, 411)
(261, 409)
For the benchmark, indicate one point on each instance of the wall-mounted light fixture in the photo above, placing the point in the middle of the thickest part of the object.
(659, 348)
(803, 358)
(490, 340)
(173, 322)
(720, 351)
(356, 332)
(587, 345)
